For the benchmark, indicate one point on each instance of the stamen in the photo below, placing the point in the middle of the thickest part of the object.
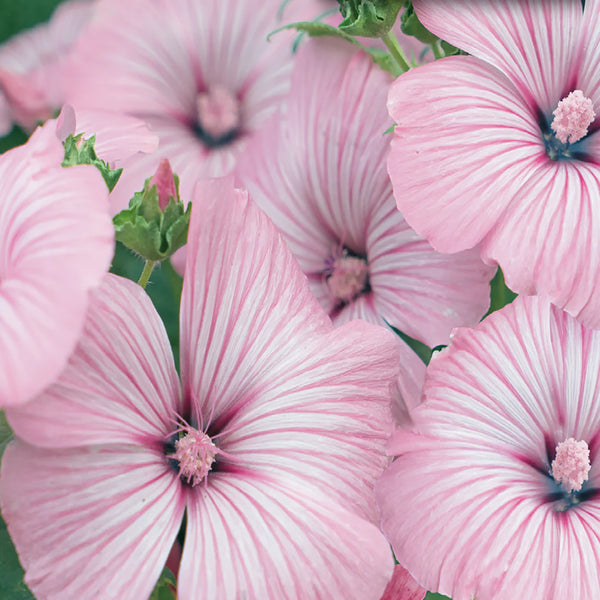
(218, 112)
(572, 117)
(195, 453)
(349, 277)
(571, 466)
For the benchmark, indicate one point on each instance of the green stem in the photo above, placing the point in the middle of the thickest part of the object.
(145, 276)
(389, 39)
(437, 51)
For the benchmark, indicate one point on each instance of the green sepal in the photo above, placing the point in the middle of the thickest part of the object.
(412, 26)
(164, 586)
(147, 230)
(369, 18)
(319, 29)
(80, 151)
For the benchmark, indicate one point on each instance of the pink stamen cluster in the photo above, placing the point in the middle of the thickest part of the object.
(218, 111)
(195, 453)
(349, 278)
(571, 465)
(572, 117)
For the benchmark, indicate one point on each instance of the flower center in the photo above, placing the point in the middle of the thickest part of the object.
(349, 277)
(195, 453)
(572, 117)
(571, 466)
(218, 116)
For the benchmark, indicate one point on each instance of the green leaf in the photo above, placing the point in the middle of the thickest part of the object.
(369, 18)
(384, 60)
(12, 586)
(318, 29)
(412, 26)
(390, 129)
(21, 15)
(80, 151)
(432, 596)
(164, 587)
(500, 293)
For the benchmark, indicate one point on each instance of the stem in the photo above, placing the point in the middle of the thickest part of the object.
(145, 276)
(389, 39)
(437, 51)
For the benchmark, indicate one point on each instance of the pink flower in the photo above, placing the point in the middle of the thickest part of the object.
(492, 494)
(202, 74)
(492, 149)
(271, 444)
(56, 242)
(321, 177)
(32, 67)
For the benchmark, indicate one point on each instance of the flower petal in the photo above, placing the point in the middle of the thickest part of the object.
(533, 42)
(463, 146)
(90, 522)
(587, 75)
(56, 241)
(547, 242)
(120, 381)
(256, 538)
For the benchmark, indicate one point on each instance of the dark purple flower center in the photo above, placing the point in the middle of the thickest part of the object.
(218, 117)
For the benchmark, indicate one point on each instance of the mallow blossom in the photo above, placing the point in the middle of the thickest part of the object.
(202, 74)
(271, 443)
(56, 242)
(320, 175)
(501, 148)
(32, 67)
(495, 494)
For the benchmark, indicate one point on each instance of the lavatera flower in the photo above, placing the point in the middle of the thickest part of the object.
(270, 444)
(56, 242)
(495, 494)
(502, 148)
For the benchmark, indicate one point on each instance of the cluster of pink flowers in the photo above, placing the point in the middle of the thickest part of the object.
(293, 444)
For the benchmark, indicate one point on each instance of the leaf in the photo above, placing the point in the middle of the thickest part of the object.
(369, 18)
(12, 586)
(500, 293)
(319, 29)
(432, 596)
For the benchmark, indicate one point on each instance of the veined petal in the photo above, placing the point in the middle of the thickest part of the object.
(421, 292)
(56, 242)
(92, 522)
(464, 144)
(120, 381)
(244, 299)
(533, 42)
(255, 537)
(589, 60)
(547, 241)
(322, 417)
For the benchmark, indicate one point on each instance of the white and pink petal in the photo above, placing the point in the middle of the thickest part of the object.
(90, 522)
